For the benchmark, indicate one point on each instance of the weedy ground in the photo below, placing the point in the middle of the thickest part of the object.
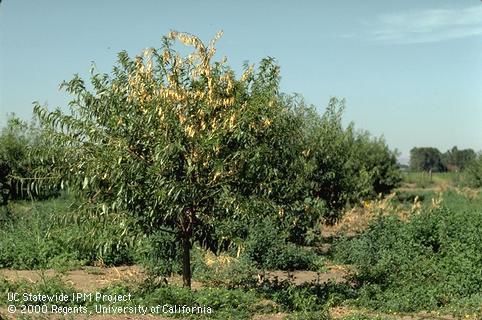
(414, 254)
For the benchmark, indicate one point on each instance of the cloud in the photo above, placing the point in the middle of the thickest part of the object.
(430, 25)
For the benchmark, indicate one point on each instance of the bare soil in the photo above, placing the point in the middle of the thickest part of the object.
(87, 279)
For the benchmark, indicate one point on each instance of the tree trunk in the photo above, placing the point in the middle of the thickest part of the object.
(186, 261)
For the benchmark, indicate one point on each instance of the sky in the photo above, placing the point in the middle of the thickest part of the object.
(410, 71)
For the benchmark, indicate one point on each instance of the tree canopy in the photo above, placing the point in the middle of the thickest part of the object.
(426, 159)
(179, 142)
(455, 159)
(431, 159)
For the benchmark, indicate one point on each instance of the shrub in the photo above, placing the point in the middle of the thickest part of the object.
(160, 254)
(266, 245)
(308, 297)
(223, 270)
(429, 262)
(225, 303)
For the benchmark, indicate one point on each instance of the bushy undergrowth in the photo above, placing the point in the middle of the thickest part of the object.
(307, 297)
(429, 262)
(224, 303)
(223, 270)
(159, 253)
(268, 247)
(40, 234)
(298, 302)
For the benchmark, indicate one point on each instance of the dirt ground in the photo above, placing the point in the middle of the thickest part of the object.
(87, 279)
(90, 279)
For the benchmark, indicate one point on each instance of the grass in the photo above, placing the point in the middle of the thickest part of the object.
(424, 180)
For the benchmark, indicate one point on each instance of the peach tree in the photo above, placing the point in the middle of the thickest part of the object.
(178, 142)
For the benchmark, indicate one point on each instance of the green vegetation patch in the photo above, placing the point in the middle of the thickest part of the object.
(43, 234)
(429, 262)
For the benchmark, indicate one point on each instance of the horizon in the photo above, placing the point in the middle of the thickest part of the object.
(410, 71)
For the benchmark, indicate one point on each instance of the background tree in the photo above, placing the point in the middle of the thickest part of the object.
(426, 159)
(177, 142)
(13, 148)
(18, 141)
(455, 159)
(343, 165)
(374, 162)
(472, 174)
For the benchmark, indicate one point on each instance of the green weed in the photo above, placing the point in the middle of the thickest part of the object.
(429, 262)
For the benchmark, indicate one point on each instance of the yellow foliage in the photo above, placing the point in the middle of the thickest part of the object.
(266, 122)
(437, 202)
(232, 120)
(417, 205)
(218, 262)
(247, 73)
(190, 130)
(182, 118)
(177, 93)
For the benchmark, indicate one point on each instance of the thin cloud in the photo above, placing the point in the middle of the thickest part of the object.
(429, 25)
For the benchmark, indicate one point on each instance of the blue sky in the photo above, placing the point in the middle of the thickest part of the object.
(409, 70)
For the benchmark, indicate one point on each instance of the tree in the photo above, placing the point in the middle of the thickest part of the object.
(13, 147)
(472, 174)
(455, 159)
(178, 142)
(17, 141)
(345, 165)
(372, 158)
(426, 159)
